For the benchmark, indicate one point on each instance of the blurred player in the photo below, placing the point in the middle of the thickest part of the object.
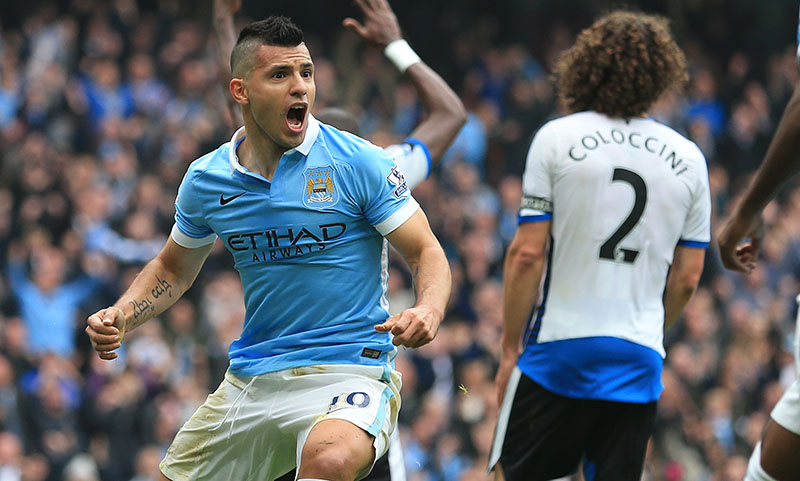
(776, 456)
(305, 210)
(422, 150)
(623, 201)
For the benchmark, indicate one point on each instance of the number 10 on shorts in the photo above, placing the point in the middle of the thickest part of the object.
(354, 399)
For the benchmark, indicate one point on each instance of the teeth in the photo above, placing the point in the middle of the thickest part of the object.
(296, 120)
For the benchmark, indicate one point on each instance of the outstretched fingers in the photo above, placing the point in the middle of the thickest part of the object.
(355, 26)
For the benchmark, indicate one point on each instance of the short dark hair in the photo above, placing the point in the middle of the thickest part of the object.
(620, 65)
(275, 30)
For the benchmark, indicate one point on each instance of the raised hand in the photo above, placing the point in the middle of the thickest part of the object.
(230, 6)
(380, 27)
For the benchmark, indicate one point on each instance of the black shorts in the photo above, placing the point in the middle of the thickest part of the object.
(380, 472)
(548, 435)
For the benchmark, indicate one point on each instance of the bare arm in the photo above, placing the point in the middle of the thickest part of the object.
(446, 113)
(684, 275)
(522, 275)
(780, 164)
(225, 33)
(418, 325)
(157, 287)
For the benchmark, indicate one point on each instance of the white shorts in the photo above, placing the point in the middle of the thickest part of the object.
(255, 428)
(787, 410)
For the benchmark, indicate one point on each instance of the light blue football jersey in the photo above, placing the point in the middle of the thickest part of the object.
(308, 246)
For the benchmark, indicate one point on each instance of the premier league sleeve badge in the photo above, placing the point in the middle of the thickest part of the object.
(398, 180)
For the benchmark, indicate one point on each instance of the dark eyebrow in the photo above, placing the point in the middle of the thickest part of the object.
(283, 67)
(280, 67)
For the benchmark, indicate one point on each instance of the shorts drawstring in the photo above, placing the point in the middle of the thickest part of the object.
(236, 402)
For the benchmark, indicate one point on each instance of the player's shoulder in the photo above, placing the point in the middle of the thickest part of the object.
(567, 128)
(350, 149)
(569, 123)
(680, 143)
(216, 160)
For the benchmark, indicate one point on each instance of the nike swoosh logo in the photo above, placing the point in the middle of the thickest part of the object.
(223, 200)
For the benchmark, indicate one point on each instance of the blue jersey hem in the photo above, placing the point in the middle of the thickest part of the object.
(598, 368)
(266, 366)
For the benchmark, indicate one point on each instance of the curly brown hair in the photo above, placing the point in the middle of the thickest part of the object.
(620, 65)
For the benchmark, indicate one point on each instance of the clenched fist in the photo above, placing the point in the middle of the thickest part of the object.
(106, 329)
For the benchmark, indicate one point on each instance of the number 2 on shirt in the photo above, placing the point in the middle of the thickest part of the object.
(609, 248)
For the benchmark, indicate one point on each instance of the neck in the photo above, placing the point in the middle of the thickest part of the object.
(258, 153)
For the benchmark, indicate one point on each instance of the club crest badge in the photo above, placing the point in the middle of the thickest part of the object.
(319, 189)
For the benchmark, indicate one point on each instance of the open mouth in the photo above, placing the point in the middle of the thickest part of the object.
(296, 116)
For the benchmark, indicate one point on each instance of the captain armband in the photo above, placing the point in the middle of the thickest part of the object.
(537, 203)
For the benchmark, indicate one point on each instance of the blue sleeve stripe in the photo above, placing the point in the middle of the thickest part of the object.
(534, 218)
(413, 141)
(691, 243)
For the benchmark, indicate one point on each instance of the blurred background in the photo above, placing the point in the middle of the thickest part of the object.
(103, 105)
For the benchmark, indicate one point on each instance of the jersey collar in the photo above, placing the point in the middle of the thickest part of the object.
(312, 132)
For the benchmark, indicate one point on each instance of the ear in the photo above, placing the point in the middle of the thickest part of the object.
(239, 91)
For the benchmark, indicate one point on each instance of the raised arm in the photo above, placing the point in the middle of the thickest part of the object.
(157, 287)
(225, 33)
(446, 113)
(418, 325)
(780, 164)
(524, 265)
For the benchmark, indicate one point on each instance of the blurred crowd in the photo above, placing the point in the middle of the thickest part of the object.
(103, 105)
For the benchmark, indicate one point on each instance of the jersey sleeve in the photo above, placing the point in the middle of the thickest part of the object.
(537, 180)
(413, 159)
(190, 229)
(380, 188)
(697, 227)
